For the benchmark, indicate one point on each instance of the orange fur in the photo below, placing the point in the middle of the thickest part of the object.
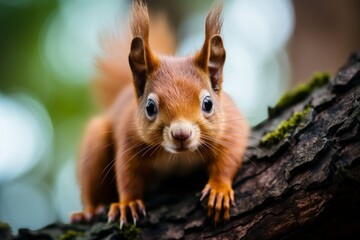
(132, 139)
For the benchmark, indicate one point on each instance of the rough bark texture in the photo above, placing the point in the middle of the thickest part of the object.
(305, 187)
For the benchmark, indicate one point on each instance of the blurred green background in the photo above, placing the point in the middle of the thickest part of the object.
(47, 54)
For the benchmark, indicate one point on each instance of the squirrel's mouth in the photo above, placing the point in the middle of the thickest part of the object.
(180, 149)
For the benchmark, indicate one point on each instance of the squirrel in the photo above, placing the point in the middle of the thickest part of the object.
(172, 108)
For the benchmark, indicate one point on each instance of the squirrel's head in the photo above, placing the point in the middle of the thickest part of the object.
(179, 104)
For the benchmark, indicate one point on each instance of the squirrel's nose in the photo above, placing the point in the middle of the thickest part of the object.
(181, 134)
(181, 130)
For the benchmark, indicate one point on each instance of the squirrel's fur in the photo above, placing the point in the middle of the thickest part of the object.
(174, 110)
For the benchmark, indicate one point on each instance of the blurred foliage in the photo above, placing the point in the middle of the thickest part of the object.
(23, 69)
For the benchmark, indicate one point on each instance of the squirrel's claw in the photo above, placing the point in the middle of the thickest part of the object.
(121, 224)
(205, 192)
(143, 212)
(220, 197)
(113, 212)
(100, 210)
(141, 207)
(218, 206)
(77, 217)
(87, 215)
(135, 207)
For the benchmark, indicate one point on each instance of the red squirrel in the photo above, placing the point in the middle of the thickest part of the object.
(174, 109)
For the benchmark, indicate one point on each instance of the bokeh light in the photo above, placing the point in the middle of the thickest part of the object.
(26, 135)
(264, 27)
(27, 204)
(67, 192)
(72, 34)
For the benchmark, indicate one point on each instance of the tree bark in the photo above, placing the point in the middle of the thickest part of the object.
(307, 186)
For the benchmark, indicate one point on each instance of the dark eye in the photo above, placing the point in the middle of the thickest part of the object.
(207, 104)
(151, 109)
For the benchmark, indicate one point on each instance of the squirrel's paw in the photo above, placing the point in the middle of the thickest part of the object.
(87, 215)
(221, 196)
(121, 208)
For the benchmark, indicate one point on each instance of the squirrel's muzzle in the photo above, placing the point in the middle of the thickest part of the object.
(181, 130)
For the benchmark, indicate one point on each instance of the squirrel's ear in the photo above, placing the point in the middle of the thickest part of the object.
(211, 60)
(138, 64)
(141, 59)
(142, 63)
(211, 57)
(216, 61)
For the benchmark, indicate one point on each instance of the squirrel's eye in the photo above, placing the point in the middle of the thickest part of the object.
(151, 109)
(207, 104)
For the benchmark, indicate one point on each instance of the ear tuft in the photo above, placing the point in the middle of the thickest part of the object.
(214, 20)
(140, 22)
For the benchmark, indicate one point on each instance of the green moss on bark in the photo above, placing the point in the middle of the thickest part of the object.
(71, 234)
(4, 226)
(285, 127)
(299, 93)
(130, 232)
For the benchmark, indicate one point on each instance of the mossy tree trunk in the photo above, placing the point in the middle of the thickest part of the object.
(307, 186)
